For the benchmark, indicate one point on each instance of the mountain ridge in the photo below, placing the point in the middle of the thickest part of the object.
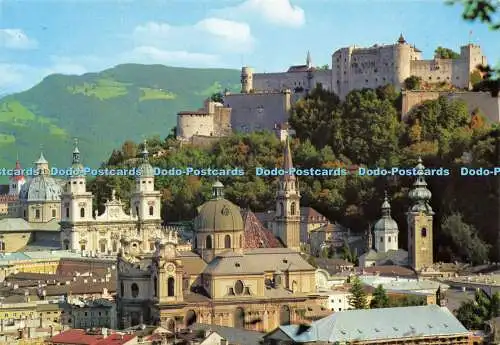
(102, 109)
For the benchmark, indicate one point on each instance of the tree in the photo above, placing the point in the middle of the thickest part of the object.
(474, 313)
(357, 298)
(465, 239)
(217, 97)
(413, 83)
(323, 67)
(475, 77)
(445, 53)
(380, 298)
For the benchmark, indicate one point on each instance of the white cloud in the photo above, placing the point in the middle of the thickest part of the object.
(278, 12)
(153, 55)
(208, 35)
(16, 39)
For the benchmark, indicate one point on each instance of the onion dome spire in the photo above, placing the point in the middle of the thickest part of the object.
(420, 195)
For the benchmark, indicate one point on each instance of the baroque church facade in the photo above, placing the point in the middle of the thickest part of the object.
(238, 273)
(83, 229)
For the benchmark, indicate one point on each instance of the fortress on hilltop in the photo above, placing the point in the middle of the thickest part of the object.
(265, 99)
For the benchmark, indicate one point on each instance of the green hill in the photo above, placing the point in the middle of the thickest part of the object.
(102, 109)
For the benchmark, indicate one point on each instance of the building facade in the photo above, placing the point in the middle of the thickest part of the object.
(84, 230)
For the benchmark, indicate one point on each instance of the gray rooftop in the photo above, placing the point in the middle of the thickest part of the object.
(379, 324)
(232, 335)
(21, 225)
(258, 261)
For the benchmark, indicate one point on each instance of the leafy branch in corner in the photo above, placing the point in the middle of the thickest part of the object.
(486, 11)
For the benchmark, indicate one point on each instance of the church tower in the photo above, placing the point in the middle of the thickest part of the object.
(76, 202)
(168, 274)
(386, 230)
(145, 201)
(420, 218)
(16, 180)
(287, 214)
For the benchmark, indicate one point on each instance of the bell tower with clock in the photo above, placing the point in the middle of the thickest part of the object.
(167, 280)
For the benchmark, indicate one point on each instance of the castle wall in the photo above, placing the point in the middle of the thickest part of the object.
(488, 105)
(258, 111)
(195, 123)
(276, 82)
(222, 121)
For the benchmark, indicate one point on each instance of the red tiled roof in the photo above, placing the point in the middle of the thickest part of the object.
(19, 177)
(68, 267)
(390, 271)
(256, 236)
(80, 337)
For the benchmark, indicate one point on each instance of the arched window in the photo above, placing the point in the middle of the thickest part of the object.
(171, 287)
(102, 246)
(122, 289)
(37, 214)
(134, 290)
(171, 325)
(155, 286)
(423, 232)
(53, 213)
(82, 213)
(67, 212)
(208, 242)
(239, 318)
(137, 211)
(284, 315)
(151, 210)
(227, 241)
(292, 209)
(190, 317)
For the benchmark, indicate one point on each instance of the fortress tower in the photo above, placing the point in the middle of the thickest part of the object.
(246, 80)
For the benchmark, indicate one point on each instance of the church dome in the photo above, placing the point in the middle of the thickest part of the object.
(386, 223)
(41, 188)
(146, 169)
(218, 214)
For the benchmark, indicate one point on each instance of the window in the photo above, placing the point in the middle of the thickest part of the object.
(137, 210)
(122, 289)
(66, 244)
(208, 242)
(282, 210)
(103, 247)
(227, 241)
(389, 239)
(151, 210)
(381, 239)
(2, 246)
(53, 213)
(67, 212)
(135, 290)
(171, 287)
(115, 246)
(37, 214)
(292, 209)
(82, 213)
(155, 286)
(285, 315)
(423, 232)
(239, 318)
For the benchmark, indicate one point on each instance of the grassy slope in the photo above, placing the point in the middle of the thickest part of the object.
(101, 109)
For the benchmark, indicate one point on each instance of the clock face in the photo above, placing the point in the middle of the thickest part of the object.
(170, 268)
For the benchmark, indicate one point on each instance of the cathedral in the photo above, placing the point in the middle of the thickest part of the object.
(238, 273)
(84, 230)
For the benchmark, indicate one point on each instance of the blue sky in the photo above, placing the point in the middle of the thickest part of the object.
(40, 37)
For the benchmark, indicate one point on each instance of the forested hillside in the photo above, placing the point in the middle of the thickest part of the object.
(363, 130)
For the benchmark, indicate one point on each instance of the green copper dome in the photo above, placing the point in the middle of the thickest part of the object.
(146, 169)
(218, 214)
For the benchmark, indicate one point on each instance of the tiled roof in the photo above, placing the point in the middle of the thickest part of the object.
(192, 263)
(80, 337)
(390, 271)
(231, 334)
(380, 324)
(256, 236)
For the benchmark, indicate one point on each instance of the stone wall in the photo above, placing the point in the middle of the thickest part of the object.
(258, 111)
(488, 105)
